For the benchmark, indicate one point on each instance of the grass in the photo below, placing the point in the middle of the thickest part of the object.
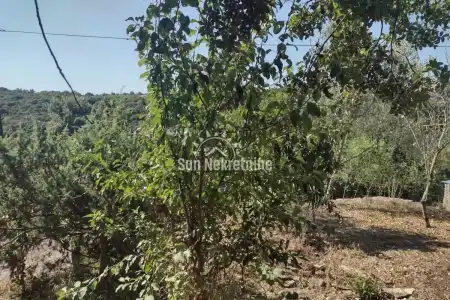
(366, 288)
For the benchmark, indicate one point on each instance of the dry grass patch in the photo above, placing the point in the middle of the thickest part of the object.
(378, 240)
(386, 239)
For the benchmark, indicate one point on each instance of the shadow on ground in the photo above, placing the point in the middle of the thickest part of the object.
(434, 213)
(375, 240)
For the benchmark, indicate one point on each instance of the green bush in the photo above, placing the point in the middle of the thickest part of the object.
(366, 288)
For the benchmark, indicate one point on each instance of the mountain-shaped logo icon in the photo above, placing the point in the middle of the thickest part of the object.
(214, 150)
(213, 142)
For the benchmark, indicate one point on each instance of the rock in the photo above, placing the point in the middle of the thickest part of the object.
(321, 283)
(290, 284)
(319, 267)
(318, 283)
(399, 293)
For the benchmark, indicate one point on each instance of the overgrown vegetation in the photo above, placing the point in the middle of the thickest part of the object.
(111, 195)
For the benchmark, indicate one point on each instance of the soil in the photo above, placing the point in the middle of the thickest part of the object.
(380, 238)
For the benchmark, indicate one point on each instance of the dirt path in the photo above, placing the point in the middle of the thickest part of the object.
(386, 239)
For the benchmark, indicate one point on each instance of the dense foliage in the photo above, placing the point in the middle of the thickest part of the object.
(108, 188)
(21, 108)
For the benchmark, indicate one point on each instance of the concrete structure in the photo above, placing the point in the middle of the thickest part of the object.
(446, 201)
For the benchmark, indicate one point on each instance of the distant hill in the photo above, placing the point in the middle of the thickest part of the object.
(24, 106)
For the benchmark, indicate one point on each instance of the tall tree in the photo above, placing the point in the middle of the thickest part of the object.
(200, 223)
(430, 129)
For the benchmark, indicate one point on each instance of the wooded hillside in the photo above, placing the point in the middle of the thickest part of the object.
(23, 107)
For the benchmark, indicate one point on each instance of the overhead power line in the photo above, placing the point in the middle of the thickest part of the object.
(67, 34)
(128, 39)
(38, 15)
(111, 37)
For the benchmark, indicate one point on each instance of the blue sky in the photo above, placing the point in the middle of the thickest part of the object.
(91, 65)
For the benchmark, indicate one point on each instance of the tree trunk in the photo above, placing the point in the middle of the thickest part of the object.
(313, 212)
(104, 285)
(197, 234)
(425, 215)
(103, 259)
(368, 190)
(424, 201)
(330, 181)
(77, 270)
(327, 196)
(356, 192)
(17, 275)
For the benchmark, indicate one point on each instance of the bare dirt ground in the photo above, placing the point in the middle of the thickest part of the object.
(37, 262)
(380, 238)
(383, 239)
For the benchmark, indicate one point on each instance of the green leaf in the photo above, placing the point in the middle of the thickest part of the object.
(278, 27)
(289, 62)
(169, 5)
(273, 71)
(313, 109)
(141, 62)
(232, 75)
(335, 70)
(295, 117)
(266, 70)
(166, 24)
(327, 93)
(307, 123)
(149, 297)
(82, 292)
(144, 75)
(169, 163)
(204, 77)
(261, 81)
(281, 47)
(131, 28)
(279, 64)
(192, 3)
(284, 36)
(272, 105)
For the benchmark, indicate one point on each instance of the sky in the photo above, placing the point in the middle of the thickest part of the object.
(91, 65)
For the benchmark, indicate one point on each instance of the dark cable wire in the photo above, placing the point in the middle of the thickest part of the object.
(68, 34)
(54, 58)
(112, 37)
(129, 39)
